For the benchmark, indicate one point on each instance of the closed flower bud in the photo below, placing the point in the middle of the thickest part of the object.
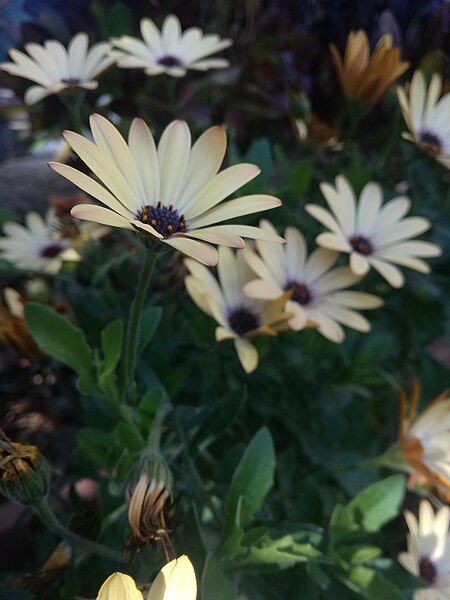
(119, 587)
(146, 496)
(24, 472)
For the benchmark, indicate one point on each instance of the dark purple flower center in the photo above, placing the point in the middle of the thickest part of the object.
(169, 61)
(243, 320)
(164, 219)
(431, 141)
(71, 81)
(300, 292)
(361, 244)
(51, 250)
(427, 570)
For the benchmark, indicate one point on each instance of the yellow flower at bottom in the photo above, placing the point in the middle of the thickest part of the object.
(119, 587)
(175, 581)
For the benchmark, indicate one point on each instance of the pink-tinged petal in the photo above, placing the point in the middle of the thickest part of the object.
(146, 229)
(236, 208)
(98, 214)
(215, 236)
(247, 353)
(201, 251)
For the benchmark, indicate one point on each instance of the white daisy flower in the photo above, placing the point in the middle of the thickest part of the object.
(35, 247)
(55, 68)
(317, 294)
(239, 318)
(170, 50)
(427, 116)
(424, 440)
(171, 193)
(428, 554)
(374, 235)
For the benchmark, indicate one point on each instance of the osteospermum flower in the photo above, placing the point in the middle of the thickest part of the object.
(427, 116)
(365, 78)
(316, 293)
(176, 580)
(239, 318)
(171, 193)
(428, 554)
(374, 235)
(424, 440)
(55, 68)
(170, 50)
(36, 247)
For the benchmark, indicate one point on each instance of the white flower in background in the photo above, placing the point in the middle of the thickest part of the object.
(172, 193)
(424, 440)
(427, 116)
(35, 247)
(55, 68)
(239, 318)
(374, 235)
(170, 50)
(428, 554)
(176, 580)
(318, 297)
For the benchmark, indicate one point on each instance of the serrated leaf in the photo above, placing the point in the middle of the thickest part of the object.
(58, 338)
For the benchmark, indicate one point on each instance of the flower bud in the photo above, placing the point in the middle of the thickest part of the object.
(24, 472)
(119, 587)
(146, 496)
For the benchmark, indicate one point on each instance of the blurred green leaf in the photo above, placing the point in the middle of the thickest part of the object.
(215, 584)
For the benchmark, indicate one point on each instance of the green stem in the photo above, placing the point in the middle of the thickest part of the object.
(72, 105)
(154, 437)
(49, 519)
(132, 338)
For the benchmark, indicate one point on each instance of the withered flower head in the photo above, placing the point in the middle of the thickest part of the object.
(13, 327)
(147, 497)
(424, 440)
(24, 472)
(365, 78)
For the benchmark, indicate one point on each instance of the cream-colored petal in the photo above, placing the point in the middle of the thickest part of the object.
(324, 216)
(299, 319)
(143, 149)
(173, 155)
(35, 93)
(333, 241)
(91, 187)
(254, 233)
(98, 214)
(222, 333)
(368, 207)
(201, 251)
(259, 288)
(214, 235)
(236, 208)
(392, 274)
(146, 229)
(197, 293)
(358, 264)
(319, 261)
(276, 280)
(220, 187)
(247, 353)
(206, 156)
(295, 252)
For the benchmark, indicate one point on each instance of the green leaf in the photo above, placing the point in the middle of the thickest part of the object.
(215, 584)
(58, 338)
(359, 554)
(220, 416)
(371, 584)
(300, 177)
(150, 320)
(379, 503)
(342, 525)
(251, 481)
(127, 437)
(111, 338)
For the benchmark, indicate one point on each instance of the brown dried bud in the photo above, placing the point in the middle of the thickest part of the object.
(24, 472)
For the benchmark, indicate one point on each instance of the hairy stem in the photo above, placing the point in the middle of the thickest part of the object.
(48, 517)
